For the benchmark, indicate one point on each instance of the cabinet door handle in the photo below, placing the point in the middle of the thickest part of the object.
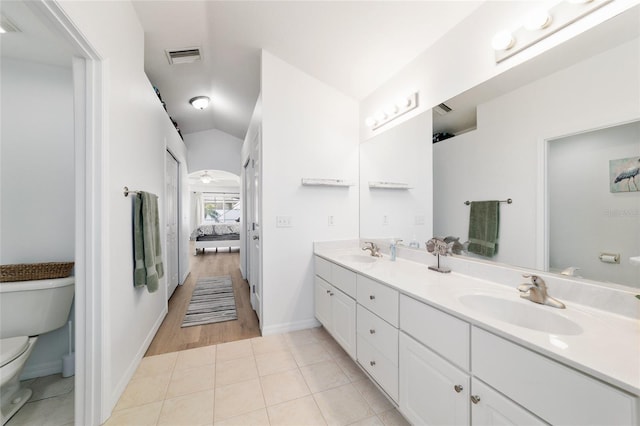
(372, 363)
(475, 399)
(372, 331)
(458, 388)
(371, 297)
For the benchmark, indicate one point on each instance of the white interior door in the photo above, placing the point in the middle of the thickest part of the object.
(253, 233)
(172, 212)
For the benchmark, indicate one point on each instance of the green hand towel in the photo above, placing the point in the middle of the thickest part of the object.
(147, 248)
(484, 223)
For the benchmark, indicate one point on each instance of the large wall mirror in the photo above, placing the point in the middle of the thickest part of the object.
(588, 84)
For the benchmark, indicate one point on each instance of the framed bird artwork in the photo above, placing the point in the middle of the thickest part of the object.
(624, 175)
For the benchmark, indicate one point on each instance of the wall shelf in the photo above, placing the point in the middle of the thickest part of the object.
(388, 185)
(326, 182)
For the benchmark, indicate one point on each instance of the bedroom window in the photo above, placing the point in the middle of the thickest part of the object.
(221, 207)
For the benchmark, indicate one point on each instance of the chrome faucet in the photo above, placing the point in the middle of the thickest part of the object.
(373, 248)
(536, 291)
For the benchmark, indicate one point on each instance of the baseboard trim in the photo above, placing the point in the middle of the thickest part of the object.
(290, 326)
(184, 278)
(135, 362)
(43, 369)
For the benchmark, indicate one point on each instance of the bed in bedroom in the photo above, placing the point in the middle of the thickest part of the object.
(216, 235)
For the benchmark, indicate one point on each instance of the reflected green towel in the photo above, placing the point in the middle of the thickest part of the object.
(484, 223)
(146, 240)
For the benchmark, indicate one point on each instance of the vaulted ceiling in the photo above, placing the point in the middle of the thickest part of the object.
(353, 46)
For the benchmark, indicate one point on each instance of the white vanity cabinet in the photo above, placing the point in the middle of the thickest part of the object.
(556, 393)
(453, 373)
(377, 335)
(490, 408)
(432, 391)
(335, 305)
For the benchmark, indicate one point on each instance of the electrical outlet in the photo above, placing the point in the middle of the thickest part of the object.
(284, 222)
(330, 220)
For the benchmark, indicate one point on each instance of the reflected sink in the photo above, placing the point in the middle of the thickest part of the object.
(527, 315)
(358, 258)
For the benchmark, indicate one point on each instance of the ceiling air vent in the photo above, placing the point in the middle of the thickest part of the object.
(442, 109)
(183, 56)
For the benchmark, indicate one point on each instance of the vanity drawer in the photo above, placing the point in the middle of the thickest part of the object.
(379, 333)
(322, 268)
(379, 299)
(441, 332)
(556, 393)
(380, 368)
(343, 279)
(336, 275)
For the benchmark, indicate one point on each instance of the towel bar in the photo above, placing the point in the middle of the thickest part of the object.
(127, 192)
(508, 201)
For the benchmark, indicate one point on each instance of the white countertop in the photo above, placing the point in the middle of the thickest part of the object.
(608, 347)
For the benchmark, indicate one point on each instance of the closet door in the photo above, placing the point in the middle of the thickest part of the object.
(172, 211)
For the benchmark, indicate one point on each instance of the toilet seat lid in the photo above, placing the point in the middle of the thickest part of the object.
(12, 348)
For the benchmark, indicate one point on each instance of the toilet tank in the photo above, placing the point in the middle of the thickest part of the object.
(30, 308)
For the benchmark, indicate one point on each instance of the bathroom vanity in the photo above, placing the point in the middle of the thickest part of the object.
(454, 349)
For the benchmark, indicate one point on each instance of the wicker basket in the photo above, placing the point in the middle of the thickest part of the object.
(35, 271)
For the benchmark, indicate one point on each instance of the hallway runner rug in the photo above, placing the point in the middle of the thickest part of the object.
(212, 301)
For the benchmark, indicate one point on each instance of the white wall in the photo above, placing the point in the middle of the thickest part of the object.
(136, 134)
(37, 181)
(309, 130)
(402, 155)
(213, 150)
(587, 219)
(499, 160)
(463, 58)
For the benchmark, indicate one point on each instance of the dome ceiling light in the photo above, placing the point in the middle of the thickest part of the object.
(200, 102)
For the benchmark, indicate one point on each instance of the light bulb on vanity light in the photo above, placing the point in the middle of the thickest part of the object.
(403, 102)
(503, 40)
(537, 19)
(380, 116)
(370, 121)
(391, 109)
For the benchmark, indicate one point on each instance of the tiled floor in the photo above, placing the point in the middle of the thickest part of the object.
(51, 403)
(301, 378)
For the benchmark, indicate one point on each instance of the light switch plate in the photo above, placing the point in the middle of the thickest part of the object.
(284, 222)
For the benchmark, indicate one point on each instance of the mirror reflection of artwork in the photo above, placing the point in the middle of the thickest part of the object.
(624, 174)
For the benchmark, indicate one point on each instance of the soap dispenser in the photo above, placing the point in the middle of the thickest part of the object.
(393, 249)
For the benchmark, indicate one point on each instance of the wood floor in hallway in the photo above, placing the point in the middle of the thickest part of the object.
(171, 337)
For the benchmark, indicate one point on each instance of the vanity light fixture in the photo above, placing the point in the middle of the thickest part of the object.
(206, 178)
(390, 112)
(540, 24)
(199, 102)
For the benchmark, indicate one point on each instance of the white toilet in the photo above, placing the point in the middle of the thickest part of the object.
(27, 309)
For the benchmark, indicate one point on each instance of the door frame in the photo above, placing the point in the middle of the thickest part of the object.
(90, 108)
(178, 216)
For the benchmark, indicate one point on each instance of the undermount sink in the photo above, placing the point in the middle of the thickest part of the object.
(527, 315)
(359, 258)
